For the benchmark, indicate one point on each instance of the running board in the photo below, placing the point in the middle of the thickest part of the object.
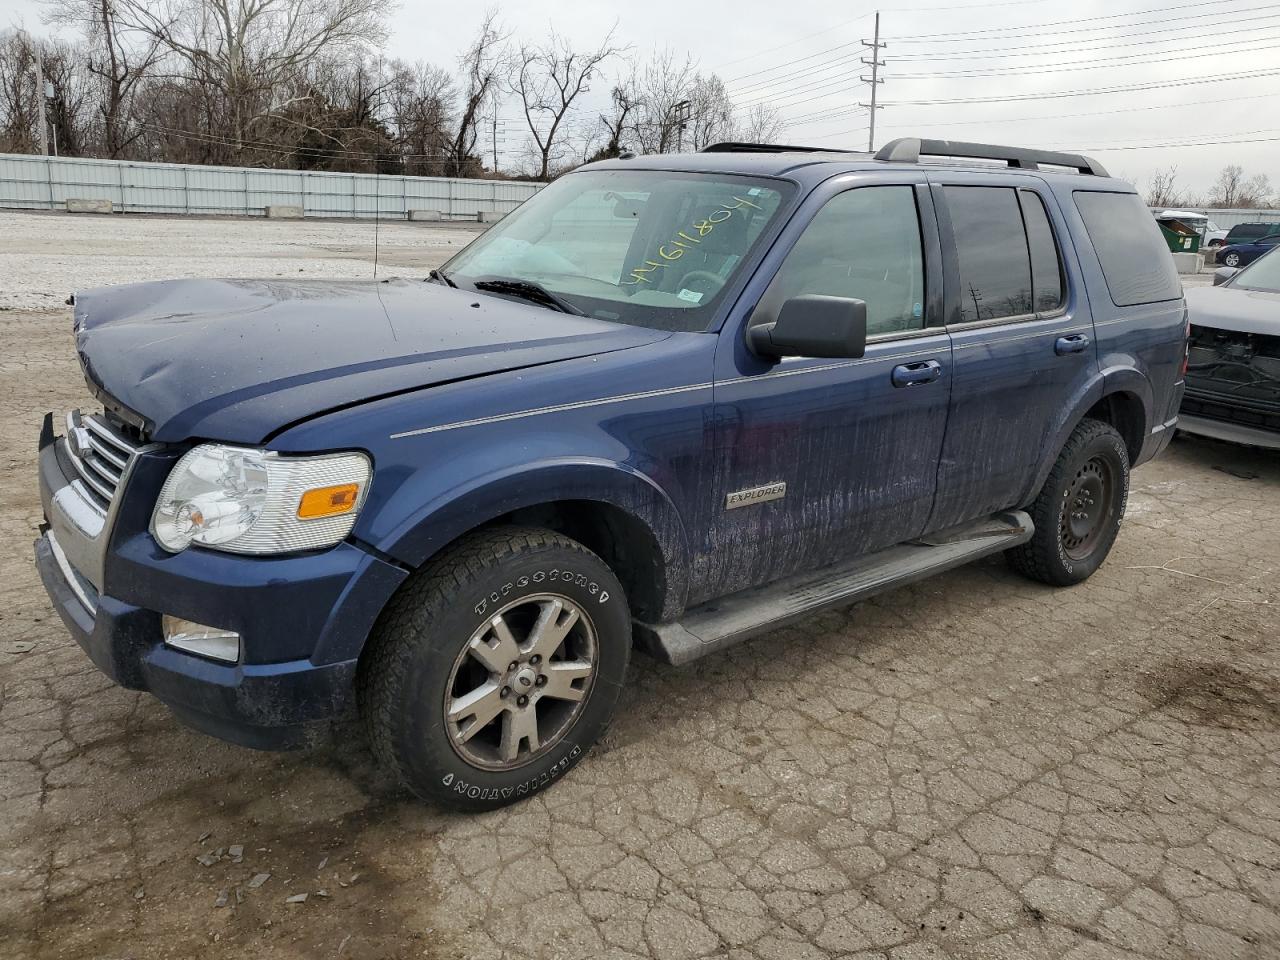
(722, 623)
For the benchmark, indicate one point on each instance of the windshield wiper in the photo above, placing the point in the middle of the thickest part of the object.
(441, 276)
(527, 290)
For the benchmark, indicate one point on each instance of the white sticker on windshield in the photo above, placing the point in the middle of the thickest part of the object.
(690, 295)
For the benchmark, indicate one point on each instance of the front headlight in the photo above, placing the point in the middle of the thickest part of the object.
(256, 501)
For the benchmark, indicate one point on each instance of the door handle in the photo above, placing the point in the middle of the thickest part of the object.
(1072, 344)
(912, 374)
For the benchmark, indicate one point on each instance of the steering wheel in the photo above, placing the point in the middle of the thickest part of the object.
(712, 280)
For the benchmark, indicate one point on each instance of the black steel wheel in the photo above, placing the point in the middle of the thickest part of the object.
(1078, 510)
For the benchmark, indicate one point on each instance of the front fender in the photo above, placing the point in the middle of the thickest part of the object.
(449, 515)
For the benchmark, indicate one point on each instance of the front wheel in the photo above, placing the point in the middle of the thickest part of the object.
(496, 667)
(1078, 511)
(1231, 260)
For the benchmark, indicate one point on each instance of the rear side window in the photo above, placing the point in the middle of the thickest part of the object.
(1046, 264)
(1135, 259)
(991, 247)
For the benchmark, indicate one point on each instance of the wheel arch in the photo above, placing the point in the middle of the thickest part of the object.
(1121, 398)
(617, 512)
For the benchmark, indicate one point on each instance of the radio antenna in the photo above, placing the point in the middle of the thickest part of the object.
(377, 216)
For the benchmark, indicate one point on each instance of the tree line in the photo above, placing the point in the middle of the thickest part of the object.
(302, 84)
(1234, 189)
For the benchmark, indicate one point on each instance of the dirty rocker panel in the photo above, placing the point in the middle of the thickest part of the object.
(723, 623)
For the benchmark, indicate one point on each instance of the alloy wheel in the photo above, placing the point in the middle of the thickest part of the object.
(520, 681)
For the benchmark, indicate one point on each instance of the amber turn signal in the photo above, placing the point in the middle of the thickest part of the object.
(328, 501)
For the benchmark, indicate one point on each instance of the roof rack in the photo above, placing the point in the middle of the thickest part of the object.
(911, 149)
(735, 146)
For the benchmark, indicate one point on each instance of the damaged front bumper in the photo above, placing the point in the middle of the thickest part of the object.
(1233, 387)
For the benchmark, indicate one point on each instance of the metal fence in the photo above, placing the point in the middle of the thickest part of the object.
(1228, 218)
(45, 183)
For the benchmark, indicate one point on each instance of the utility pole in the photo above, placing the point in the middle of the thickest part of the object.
(680, 113)
(495, 138)
(875, 63)
(40, 94)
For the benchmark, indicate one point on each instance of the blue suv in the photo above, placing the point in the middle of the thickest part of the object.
(679, 400)
(1242, 252)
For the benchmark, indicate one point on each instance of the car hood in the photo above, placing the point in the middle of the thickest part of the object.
(237, 360)
(1230, 308)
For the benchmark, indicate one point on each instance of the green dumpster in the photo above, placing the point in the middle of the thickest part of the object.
(1180, 237)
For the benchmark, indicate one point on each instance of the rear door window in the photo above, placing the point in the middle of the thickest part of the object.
(1134, 257)
(991, 247)
(1048, 289)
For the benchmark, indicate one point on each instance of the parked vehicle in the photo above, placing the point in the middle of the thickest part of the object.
(1247, 232)
(1233, 379)
(1242, 252)
(767, 381)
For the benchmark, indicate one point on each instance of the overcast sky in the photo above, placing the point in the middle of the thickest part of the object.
(801, 55)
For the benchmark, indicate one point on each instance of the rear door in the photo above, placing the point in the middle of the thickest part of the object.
(1022, 338)
(821, 459)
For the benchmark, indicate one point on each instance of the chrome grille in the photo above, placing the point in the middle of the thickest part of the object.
(99, 452)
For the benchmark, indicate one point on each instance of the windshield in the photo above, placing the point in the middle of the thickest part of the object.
(646, 247)
(1263, 274)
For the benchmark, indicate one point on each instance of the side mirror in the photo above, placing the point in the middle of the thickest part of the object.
(1223, 274)
(813, 326)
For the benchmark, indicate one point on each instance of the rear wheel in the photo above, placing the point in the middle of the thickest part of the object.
(496, 667)
(1078, 511)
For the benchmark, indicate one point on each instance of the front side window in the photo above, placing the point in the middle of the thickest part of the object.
(991, 248)
(864, 244)
(645, 247)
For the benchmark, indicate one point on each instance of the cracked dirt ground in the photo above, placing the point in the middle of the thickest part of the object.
(974, 766)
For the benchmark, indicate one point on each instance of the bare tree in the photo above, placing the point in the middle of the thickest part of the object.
(419, 111)
(760, 124)
(243, 52)
(548, 78)
(1234, 189)
(119, 61)
(710, 112)
(1161, 192)
(482, 68)
(663, 88)
(18, 106)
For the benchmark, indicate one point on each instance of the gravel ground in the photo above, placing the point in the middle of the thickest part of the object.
(974, 766)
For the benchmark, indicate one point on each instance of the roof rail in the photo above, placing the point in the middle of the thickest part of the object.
(734, 146)
(911, 149)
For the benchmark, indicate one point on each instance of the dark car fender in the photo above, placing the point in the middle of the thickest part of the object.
(458, 511)
(1124, 383)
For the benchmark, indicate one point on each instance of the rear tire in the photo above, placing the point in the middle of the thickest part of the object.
(495, 668)
(1078, 511)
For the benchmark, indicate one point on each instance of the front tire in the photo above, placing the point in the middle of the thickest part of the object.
(1231, 260)
(496, 667)
(1078, 511)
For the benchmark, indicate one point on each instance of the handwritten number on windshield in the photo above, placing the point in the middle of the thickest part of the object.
(686, 240)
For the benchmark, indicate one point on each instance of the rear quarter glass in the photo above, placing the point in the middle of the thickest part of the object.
(1134, 257)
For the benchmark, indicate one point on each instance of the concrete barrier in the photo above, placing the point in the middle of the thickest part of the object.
(425, 215)
(1188, 262)
(80, 205)
(284, 211)
(489, 216)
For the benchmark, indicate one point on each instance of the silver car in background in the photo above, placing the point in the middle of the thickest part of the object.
(1233, 373)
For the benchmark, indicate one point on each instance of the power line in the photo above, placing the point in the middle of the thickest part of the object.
(962, 36)
(1106, 63)
(1129, 88)
(1036, 49)
(790, 43)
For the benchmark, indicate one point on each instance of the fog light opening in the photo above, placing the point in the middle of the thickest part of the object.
(200, 639)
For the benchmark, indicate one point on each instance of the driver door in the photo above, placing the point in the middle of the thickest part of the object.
(820, 460)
